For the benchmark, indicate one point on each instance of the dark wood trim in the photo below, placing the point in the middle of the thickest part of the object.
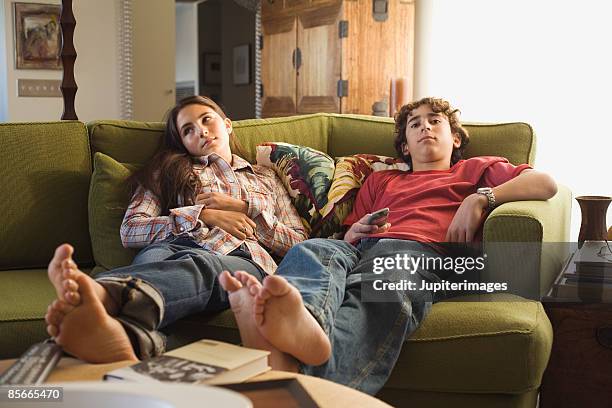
(68, 55)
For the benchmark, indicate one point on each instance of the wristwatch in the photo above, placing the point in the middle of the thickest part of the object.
(488, 192)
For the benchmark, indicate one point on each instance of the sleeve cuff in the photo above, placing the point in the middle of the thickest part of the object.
(186, 219)
(254, 209)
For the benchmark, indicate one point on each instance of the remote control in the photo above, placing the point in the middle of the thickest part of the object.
(34, 366)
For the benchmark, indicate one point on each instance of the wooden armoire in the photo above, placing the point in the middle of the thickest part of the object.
(334, 55)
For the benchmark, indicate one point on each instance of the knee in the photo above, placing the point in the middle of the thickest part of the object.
(321, 246)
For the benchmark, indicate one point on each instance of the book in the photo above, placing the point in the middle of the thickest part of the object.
(203, 362)
(33, 366)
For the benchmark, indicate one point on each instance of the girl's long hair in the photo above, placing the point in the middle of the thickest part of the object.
(170, 174)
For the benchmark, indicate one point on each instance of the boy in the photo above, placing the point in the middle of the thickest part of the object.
(311, 314)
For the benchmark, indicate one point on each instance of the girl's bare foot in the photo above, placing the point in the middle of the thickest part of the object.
(242, 289)
(62, 272)
(283, 320)
(86, 330)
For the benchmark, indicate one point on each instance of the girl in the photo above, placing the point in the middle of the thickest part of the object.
(197, 209)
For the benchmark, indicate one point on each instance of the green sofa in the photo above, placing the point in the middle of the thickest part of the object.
(472, 354)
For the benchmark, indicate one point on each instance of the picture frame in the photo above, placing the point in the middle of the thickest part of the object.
(212, 68)
(37, 35)
(242, 64)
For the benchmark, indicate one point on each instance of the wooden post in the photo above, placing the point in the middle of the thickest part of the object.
(68, 54)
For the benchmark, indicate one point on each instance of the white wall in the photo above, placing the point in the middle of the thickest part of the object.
(187, 43)
(96, 73)
(96, 40)
(25, 109)
(154, 53)
(544, 62)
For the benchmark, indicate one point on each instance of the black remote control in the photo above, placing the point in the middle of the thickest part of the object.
(34, 366)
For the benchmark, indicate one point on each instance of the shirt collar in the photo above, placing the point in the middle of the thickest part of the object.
(237, 161)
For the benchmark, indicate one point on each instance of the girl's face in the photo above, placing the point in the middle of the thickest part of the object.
(203, 131)
(429, 139)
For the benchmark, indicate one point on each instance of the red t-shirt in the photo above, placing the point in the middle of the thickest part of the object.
(422, 204)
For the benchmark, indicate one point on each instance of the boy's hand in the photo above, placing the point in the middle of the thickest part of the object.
(232, 222)
(361, 228)
(221, 201)
(467, 219)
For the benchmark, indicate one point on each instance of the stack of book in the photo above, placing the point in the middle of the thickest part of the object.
(588, 274)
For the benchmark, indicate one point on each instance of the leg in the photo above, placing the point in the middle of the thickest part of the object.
(183, 276)
(295, 309)
(368, 335)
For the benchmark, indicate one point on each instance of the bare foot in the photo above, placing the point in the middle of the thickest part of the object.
(62, 272)
(86, 330)
(242, 290)
(284, 321)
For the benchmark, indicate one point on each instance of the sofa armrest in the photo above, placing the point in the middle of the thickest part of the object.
(543, 229)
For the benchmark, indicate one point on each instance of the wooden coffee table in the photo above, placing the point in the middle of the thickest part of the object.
(325, 393)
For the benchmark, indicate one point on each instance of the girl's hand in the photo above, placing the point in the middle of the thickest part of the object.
(221, 201)
(467, 219)
(232, 222)
(361, 228)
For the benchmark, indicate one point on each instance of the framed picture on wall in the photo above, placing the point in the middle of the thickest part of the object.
(242, 64)
(212, 68)
(37, 36)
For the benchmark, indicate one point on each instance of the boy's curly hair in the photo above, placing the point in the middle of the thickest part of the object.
(437, 105)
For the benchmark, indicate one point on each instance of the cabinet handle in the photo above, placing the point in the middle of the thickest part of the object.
(604, 336)
(296, 58)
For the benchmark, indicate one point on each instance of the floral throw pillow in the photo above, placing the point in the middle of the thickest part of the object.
(306, 174)
(350, 174)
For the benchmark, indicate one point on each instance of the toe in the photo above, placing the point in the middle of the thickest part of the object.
(72, 298)
(62, 252)
(228, 282)
(52, 330)
(70, 285)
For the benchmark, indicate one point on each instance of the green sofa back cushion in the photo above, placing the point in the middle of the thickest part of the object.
(136, 142)
(45, 170)
(108, 199)
(352, 134)
(334, 134)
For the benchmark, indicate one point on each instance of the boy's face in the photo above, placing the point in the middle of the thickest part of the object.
(429, 140)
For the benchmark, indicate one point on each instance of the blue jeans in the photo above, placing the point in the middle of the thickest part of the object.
(366, 337)
(186, 276)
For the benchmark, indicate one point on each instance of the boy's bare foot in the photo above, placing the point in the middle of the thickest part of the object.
(86, 330)
(62, 272)
(284, 321)
(242, 288)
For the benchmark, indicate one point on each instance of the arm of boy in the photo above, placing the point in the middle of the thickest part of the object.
(363, 228)
(528, 185)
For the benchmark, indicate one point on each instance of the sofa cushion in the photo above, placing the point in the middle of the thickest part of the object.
(305, 172)
(352, 134)
(136, 142)
(496, 347)
(44, 172)
(24, 297)
(499, 346)
(349, 176)
(109, 197)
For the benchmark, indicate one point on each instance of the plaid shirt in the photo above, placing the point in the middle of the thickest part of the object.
(278, 225)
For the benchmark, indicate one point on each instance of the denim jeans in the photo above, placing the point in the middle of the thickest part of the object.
(366, 337)
(185, 275)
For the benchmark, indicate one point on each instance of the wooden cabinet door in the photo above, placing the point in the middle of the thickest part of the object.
(320, 46)
(375, 52)
(277, 71)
